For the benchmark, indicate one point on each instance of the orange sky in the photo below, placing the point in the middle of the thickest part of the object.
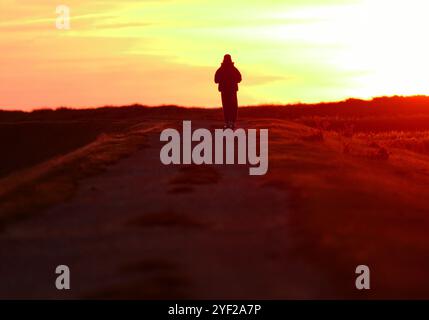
(165, 52)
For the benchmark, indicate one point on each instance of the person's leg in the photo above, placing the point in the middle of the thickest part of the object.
(228, 101)
(225, 107)
(234, 107)
(231, 108)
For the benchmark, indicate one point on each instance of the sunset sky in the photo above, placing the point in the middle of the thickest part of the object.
(166, 52)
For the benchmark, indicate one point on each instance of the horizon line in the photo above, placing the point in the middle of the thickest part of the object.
(273, 104)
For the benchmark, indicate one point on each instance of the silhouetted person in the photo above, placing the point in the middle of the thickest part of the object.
(228, 77)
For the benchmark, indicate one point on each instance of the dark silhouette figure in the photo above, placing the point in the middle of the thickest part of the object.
(228, 77)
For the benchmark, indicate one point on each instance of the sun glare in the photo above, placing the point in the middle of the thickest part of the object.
(383, 43)
(289, 51)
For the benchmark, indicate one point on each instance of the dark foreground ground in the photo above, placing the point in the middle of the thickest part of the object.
(347, 185)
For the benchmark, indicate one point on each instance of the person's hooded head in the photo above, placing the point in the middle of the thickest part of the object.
(227, 60)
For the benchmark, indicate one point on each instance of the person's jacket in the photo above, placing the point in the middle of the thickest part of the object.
(228, 77)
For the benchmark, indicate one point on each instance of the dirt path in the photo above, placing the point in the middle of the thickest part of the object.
(145, 230)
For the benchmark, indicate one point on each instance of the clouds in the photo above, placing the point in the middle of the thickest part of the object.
(168, 50)
(296, 50)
